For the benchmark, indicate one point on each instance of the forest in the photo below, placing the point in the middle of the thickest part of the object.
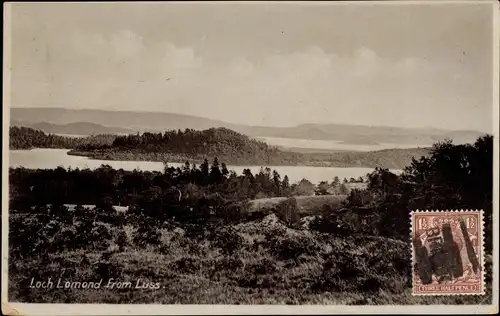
(229, 146)
(29, 138)
(119, 187)
(175, 145)
(191, 228)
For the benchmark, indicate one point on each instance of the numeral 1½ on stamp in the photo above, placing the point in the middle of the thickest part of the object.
(448, 252)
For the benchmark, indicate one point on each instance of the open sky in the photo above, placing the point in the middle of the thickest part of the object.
(280, 64)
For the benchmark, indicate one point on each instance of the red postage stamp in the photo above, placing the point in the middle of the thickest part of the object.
(448, 256)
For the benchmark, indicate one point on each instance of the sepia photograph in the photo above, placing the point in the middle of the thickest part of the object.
(246, 157)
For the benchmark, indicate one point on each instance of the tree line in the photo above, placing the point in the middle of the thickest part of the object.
(192, 145)
(30, 187)
(28, 138)
(452, 177)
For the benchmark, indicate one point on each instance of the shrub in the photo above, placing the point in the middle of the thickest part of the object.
(121, 239)
(257, 215)
(358, 220)
(232, 213)
(146, 235)
(105, 204)
(26, 238)
(264, 266)
(110, 217)
(65, 240)
(58, 211)
(100, 236)
(288, 212)
(381, 263)
(107, 268)
(186, 265)
(227, 239)
(51, 228)
(198, 232)
(83, 232)
(79, 211)
(291, 247)
(358, 197)
(224, 265)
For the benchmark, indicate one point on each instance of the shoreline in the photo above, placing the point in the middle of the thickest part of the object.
(391, 164)
(198, 161)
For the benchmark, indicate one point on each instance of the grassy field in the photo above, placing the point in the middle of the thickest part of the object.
(254, 262)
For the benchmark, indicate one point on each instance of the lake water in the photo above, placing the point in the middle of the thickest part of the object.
(53, 158)
(71, 135)
(332, 144)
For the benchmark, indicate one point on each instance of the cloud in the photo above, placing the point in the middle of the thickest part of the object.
(366, 62)
(179, 57)
(122, 70)
(311, 85)
(241, 66)
(125, 45)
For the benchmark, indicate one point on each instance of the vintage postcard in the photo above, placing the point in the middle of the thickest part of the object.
(448, 251)
(245, 157)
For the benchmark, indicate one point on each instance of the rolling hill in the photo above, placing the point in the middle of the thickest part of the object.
(366, 135)
(137, 121)
(73, 121)
(77, 128)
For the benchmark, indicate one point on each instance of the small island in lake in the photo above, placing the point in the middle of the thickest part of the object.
(232, 147)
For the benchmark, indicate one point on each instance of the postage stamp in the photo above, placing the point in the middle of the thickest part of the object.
(448, 253)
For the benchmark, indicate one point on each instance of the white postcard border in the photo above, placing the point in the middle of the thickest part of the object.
(152, 309)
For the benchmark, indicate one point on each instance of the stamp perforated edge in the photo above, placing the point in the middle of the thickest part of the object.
(483, 275)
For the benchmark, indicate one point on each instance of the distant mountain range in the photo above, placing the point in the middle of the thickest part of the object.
(136, 121)
(77, 128)
(366, 135)
(77, 122)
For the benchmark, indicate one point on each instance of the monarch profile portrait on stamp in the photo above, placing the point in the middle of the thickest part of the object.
(447, 252)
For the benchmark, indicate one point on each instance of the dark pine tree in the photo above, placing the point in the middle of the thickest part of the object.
(215, 173)
(224, 170)
(205, 173)
(277, 183)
